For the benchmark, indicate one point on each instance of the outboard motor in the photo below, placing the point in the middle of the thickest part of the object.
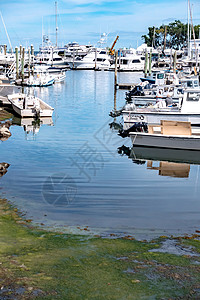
(137, 127)
(136, 91)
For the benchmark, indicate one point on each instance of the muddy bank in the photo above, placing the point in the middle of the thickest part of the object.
(36, 264)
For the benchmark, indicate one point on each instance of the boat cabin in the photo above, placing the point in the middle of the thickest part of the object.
(190, 102)
(192, 83)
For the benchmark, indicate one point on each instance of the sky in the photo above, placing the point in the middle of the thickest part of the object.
(84, 20)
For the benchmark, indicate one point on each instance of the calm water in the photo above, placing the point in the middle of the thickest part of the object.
(71, 175)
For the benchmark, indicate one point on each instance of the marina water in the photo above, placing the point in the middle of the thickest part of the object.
(71, 175)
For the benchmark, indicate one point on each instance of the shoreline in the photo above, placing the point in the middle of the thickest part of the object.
(39, 264)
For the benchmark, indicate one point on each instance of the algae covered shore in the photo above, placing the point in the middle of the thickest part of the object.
(36, 264)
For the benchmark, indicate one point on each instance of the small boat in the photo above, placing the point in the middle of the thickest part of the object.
(29, 106)
(41, 79)
(168, 135)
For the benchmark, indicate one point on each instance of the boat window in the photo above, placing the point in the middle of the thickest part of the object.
(135, 61)
(196, 83)
(101, 59)
(192, 97)
(160, 76)
(124, 62)
(102, 52)
(189, 83)
(57, 59)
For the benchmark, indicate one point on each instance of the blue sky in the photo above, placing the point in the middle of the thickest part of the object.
(84, 20)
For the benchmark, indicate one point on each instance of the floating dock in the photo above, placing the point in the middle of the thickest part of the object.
(125, 86)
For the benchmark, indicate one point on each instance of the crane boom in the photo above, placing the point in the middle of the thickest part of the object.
(111, 52)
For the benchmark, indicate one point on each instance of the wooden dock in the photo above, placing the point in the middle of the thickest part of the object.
(125, 86)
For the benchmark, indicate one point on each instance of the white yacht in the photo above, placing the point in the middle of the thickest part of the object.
(49, 56)
(99, 60)
(129, 61)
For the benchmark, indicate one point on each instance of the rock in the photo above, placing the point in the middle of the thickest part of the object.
(3, 168)
(4, 132)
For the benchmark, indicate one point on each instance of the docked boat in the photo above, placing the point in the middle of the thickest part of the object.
(168, 135)
(59, 77)
(41, 79)
(29, 106)
(93, 60)
(188, 110)
(129, 62)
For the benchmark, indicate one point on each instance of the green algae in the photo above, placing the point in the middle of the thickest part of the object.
(51, 265)
(5, 115)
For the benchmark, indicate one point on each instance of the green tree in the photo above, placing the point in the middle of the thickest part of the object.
(176, 35)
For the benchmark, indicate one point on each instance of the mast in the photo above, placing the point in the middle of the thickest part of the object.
(6, 32)
(56, 15)
(188, 28)
(42, 33)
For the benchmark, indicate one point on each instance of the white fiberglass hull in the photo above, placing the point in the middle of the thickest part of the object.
(165, 141)
(131, 117)
(87, 66)
(29, 107)
(31, 113)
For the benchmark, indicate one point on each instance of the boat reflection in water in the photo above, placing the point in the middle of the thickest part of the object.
(168, 162)
(166, 168)
(31, 125)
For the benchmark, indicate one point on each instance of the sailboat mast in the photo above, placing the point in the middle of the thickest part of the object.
(188, 28)
(56, 13)
(6, 32)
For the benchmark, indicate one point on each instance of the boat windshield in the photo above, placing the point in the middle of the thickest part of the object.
(192, 97)
(160, 76)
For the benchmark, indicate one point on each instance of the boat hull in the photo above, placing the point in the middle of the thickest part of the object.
(31, 113)
(165, 141)
(131, 117)
(170, 155)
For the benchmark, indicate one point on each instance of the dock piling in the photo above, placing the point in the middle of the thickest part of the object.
(5, 49)
(150, 61)
(17, 63)
(146, 64)
(32, 57)
(22, 64)
(29, 62)
(116, 54)
(95, 60)
(119, 58)
(174, 62)
(73, 57)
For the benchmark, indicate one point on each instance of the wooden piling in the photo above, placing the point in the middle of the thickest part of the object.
(22, 64)
(95, 60)
(5, 49)
(17, 63)
(115, 99)
(20, 51)
(174, 62)
(119, 59)
(29, 62)
(116, 54)
(170, 59)
(150, 61)
(146, 64)
(73, 57)
(32, 58)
